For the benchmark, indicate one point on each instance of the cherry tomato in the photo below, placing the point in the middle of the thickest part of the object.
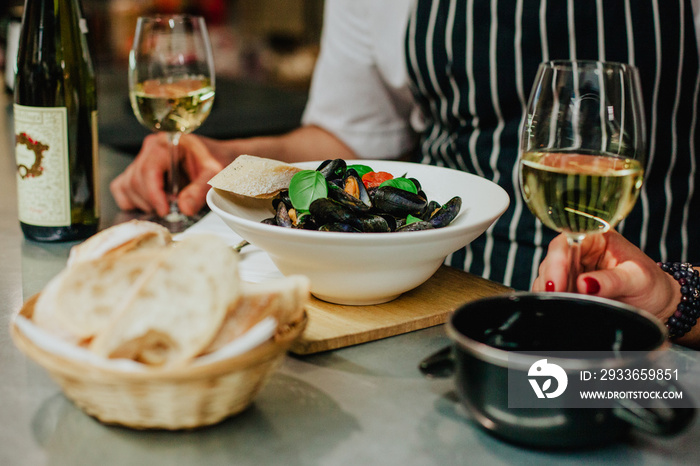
(373, 179)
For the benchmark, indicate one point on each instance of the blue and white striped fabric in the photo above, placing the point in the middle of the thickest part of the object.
(471, 64)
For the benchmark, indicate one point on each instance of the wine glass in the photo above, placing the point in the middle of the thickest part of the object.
(171, 87)
(583, 149)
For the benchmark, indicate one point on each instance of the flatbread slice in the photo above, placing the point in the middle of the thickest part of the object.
(120, 239)
(283, 298)
(253, 176)
(44, 314)
(176, 311)
(82, 299)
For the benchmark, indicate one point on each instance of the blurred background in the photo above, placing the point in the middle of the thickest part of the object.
(264, 52)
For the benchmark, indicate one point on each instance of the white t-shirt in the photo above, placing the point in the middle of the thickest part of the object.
(360, 87)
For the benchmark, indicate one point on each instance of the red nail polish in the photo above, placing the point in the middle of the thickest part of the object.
(592, 285)
(549, 286)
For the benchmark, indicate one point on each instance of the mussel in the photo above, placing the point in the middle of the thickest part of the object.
(391, 221)
(446, 213)
(429, 210)
(327, 210)
(350, 192)
(353, 185)
(397, 202)
(341, 227)
(282, 215)
(372, 223)
(332, 169)
(306, 221)
(283, 196)
(416, 226)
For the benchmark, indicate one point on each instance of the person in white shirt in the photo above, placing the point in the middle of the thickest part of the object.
(446, 82)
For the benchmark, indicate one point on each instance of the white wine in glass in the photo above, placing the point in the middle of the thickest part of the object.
(171, 87)
(583, 149)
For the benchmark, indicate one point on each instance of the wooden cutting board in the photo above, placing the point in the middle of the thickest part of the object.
(333, 326)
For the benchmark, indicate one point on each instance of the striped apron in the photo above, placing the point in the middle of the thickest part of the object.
(472, 63)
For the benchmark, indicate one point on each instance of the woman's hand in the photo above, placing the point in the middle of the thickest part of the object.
(141, 185)
(612, 268)
(615, 268)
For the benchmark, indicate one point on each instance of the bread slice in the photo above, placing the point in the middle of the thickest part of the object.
(175, 312)
(283, 298)
(253, 176)
(82, 299)
(44, 314)
(120, 239)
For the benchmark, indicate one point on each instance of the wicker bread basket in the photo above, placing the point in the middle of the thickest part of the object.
(182, 398)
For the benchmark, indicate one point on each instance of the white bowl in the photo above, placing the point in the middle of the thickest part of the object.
(369, 268)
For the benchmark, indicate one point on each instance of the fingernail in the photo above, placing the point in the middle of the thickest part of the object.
(549, 286)
(592, 285)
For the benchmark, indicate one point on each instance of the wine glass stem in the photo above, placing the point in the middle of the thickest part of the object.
(173, 187)
(575, 268)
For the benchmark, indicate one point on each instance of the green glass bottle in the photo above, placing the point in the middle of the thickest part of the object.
(55, 115)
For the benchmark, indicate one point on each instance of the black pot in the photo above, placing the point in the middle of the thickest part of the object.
(500, 343)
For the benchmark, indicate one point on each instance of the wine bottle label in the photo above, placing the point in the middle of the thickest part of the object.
(41, 150)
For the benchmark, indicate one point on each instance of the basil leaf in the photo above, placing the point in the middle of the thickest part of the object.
(401, 183)
(411, 219)
(305, 187)
(360, 169)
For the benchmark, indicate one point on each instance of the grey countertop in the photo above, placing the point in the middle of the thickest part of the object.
(366, 404)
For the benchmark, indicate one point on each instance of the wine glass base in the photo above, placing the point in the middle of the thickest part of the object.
(174, 223)
(176, 226)
(177, 222)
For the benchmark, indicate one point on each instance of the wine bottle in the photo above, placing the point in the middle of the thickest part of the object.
(55, 115)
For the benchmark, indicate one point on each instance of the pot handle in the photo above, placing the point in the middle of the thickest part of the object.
(438, 365)
(660, 421)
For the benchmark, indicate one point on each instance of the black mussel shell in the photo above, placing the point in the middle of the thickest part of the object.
(398, 202)
(416, 226)
(332, 169)
(353, 185)
(327, 210)
(306, 221)
(429, 210)
(391, 221)
(417, 183)
(342, 227)
(347, 199)
(283, 199)
(372, 224)
(282, 216)
(445, 214)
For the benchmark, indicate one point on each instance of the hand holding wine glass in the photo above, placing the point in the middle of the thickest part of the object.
(171, 87)
(583, 149)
